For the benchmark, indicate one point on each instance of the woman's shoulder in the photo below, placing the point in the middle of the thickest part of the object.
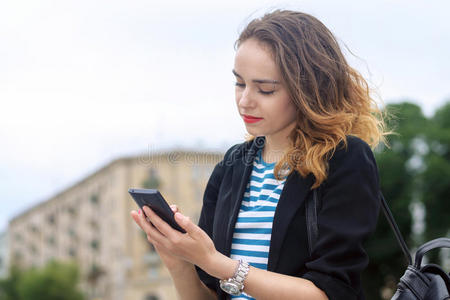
(355, 153)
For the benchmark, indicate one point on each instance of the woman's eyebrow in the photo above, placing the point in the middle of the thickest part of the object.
(257, 80)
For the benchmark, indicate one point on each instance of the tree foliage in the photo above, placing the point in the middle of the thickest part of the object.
(55, 281)
(436, 178)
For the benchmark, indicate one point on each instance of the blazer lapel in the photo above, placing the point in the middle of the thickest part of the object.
(292, 196)
(241, 176)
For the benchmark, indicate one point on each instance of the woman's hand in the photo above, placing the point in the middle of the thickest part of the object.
(180, 251)
(194, 246)
(170, 261)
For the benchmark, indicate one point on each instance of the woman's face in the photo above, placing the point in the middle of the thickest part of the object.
(261, 93)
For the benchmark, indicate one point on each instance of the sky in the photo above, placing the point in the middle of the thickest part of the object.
(85, 82)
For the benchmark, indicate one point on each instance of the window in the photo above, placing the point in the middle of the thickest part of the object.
(72, 252)
(72, 234)
(94, 199)
(51, 219)
(72, 211)
(51, 240)
(152, 181)
(95, 273)
(94, 224)
(34, 229)
(33, 249)
(18, 237)
(17, 256)
(151, 297)
(95, 244)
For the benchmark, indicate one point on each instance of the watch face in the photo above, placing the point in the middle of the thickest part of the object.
(230, 288)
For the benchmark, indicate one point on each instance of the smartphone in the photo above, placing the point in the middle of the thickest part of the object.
(153, 199)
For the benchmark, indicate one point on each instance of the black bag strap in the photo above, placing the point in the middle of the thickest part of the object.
(311, 220)
(398, 234)
(422, 250)
(436, 243)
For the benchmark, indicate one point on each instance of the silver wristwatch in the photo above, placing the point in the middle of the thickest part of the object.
(235, 285)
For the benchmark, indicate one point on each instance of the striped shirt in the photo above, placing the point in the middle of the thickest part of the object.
(253, 228)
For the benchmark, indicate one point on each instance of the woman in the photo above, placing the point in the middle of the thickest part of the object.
(311, 121)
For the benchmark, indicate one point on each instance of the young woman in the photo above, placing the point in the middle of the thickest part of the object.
(311, 121)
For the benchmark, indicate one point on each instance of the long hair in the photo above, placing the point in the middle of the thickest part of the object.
(332, 99)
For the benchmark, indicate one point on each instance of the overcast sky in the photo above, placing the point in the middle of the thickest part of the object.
(85, 82)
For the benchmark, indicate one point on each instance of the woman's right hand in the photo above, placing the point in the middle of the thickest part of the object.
(170, 261)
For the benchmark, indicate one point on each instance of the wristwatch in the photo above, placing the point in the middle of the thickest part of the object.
(235, 285)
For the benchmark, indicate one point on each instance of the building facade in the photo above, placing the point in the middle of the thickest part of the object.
(4, 257)
(90, 223)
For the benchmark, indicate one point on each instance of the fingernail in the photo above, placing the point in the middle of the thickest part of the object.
(139, 212)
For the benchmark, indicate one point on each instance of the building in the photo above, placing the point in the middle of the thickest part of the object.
(4, 257)
(90, 223)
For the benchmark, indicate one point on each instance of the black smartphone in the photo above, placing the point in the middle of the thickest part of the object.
(153, 199)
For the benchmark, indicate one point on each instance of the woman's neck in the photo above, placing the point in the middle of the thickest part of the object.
(274, 151)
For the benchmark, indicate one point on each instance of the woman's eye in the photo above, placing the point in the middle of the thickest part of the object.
(266, 92)
(242, 85)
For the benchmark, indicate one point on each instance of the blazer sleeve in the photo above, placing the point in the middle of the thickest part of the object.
(348, 215)
(206, 219)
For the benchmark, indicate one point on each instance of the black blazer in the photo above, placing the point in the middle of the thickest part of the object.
(347, 215)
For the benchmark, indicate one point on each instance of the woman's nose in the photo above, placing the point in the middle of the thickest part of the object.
(245, 98)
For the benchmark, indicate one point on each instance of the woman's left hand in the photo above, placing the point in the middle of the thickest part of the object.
(194, 246)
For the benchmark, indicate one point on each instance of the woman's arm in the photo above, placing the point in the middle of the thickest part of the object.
(261, 284)
(269, 285)
(188, 284)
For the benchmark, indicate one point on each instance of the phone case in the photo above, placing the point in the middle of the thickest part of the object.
(153, 199)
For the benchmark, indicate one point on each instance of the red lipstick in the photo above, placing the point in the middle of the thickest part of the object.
(250, 119)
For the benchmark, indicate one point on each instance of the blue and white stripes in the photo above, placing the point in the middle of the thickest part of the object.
(253, 228)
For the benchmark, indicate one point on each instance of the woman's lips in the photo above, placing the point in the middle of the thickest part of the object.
(250, 119)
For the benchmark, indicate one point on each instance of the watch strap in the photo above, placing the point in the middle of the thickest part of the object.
(237, 281)
(241, 272)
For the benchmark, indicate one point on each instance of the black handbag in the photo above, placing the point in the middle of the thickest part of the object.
(427, 282)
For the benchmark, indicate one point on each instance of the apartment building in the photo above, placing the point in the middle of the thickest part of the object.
(4, 257)
(90, 224)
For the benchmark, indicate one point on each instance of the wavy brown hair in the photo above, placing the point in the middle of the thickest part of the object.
(332, 99)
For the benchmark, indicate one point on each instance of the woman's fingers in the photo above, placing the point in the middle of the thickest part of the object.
(186, 223)
(174, 208)
(136, 218)
(160, 224)
(153, 235)
(136, 215)
(145, 223)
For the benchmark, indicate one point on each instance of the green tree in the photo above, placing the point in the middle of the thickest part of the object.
(436, 178)
(8, 286)
(55, 281)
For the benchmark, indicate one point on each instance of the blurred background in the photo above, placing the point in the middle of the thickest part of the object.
(100, 96)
